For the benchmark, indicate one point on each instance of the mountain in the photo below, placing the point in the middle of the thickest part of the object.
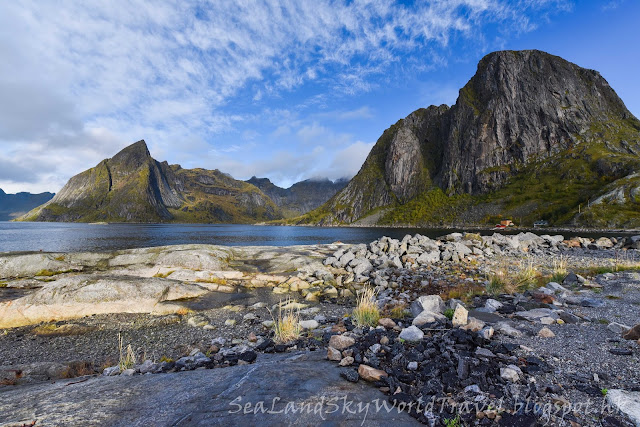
(14, 205)
(133, 187)
(302, 196)
(531, 136)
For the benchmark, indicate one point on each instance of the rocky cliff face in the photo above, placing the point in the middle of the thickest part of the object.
(530, 134)
(14, 205)
(133, 187)
(302, 196)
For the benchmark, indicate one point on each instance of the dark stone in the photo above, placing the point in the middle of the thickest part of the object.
(248, 356)
(620, 351)
(350, 375)
(264, 344)
(524, 420)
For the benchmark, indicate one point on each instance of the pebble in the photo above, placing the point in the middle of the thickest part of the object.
(486, 332)
(333, 354)
(546, 333)
(412, 366)
(510, 373)
(350, 375)
(369, 373)
(473, 324)
(111, 371)
(347, 361)
(309, 324)
(387, 323)
(618, 328)
(198, 321)
(620, 351)
(128, 372)
(341, 342)
(230, 322)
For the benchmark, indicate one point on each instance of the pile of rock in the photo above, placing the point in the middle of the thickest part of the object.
(196, 359)
(445, 362)
(364, 262)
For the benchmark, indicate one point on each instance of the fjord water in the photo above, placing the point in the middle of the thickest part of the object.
(76, 237)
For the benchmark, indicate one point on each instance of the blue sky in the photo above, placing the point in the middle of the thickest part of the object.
(287, 90)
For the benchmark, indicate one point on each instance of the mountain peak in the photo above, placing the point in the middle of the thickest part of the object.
(133, 156)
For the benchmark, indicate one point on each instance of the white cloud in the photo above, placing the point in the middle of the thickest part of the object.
(80, 80)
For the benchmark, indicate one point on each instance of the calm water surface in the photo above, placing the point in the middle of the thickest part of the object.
(73, 237)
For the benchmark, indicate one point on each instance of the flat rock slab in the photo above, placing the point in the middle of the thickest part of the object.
(226, 396)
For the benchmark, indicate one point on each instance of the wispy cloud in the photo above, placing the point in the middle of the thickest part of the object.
(83, 79)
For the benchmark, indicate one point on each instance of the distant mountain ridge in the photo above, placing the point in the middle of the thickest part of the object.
(14, 205)
(302, 196)
(133, 187)
(531, 136)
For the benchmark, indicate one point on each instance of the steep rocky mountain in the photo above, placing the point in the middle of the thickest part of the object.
(531, 136)
(14, 205)
(133, 187)
(302, 196)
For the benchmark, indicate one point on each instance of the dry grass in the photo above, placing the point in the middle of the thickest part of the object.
(286, 325)
(366, 312)
(127, 356)
(559, 269)
(78, 369)
(399, 311)
(526, 276)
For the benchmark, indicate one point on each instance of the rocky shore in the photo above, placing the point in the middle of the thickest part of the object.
(474, 330)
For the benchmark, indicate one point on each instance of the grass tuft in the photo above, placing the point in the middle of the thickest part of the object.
(366, 312)
(127, 356)
(286, 325)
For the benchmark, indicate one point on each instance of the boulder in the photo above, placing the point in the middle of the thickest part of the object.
(627, 402)
(432, 303)
(412, 334)
(84, 295)
(427, 317)
(459, 316)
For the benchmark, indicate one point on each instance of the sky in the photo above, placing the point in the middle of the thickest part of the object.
(289, 90)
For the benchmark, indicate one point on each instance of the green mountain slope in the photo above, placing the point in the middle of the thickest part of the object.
(133, 187)
(531, 136)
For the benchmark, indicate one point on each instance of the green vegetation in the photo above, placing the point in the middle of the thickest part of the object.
(453, 422)
(448, 313)
(430, 207)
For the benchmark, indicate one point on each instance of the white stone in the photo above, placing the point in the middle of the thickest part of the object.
(412, 366)
(412, 334)
(309, 324)
(460, 316)
(431, 303)
(427, 317)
